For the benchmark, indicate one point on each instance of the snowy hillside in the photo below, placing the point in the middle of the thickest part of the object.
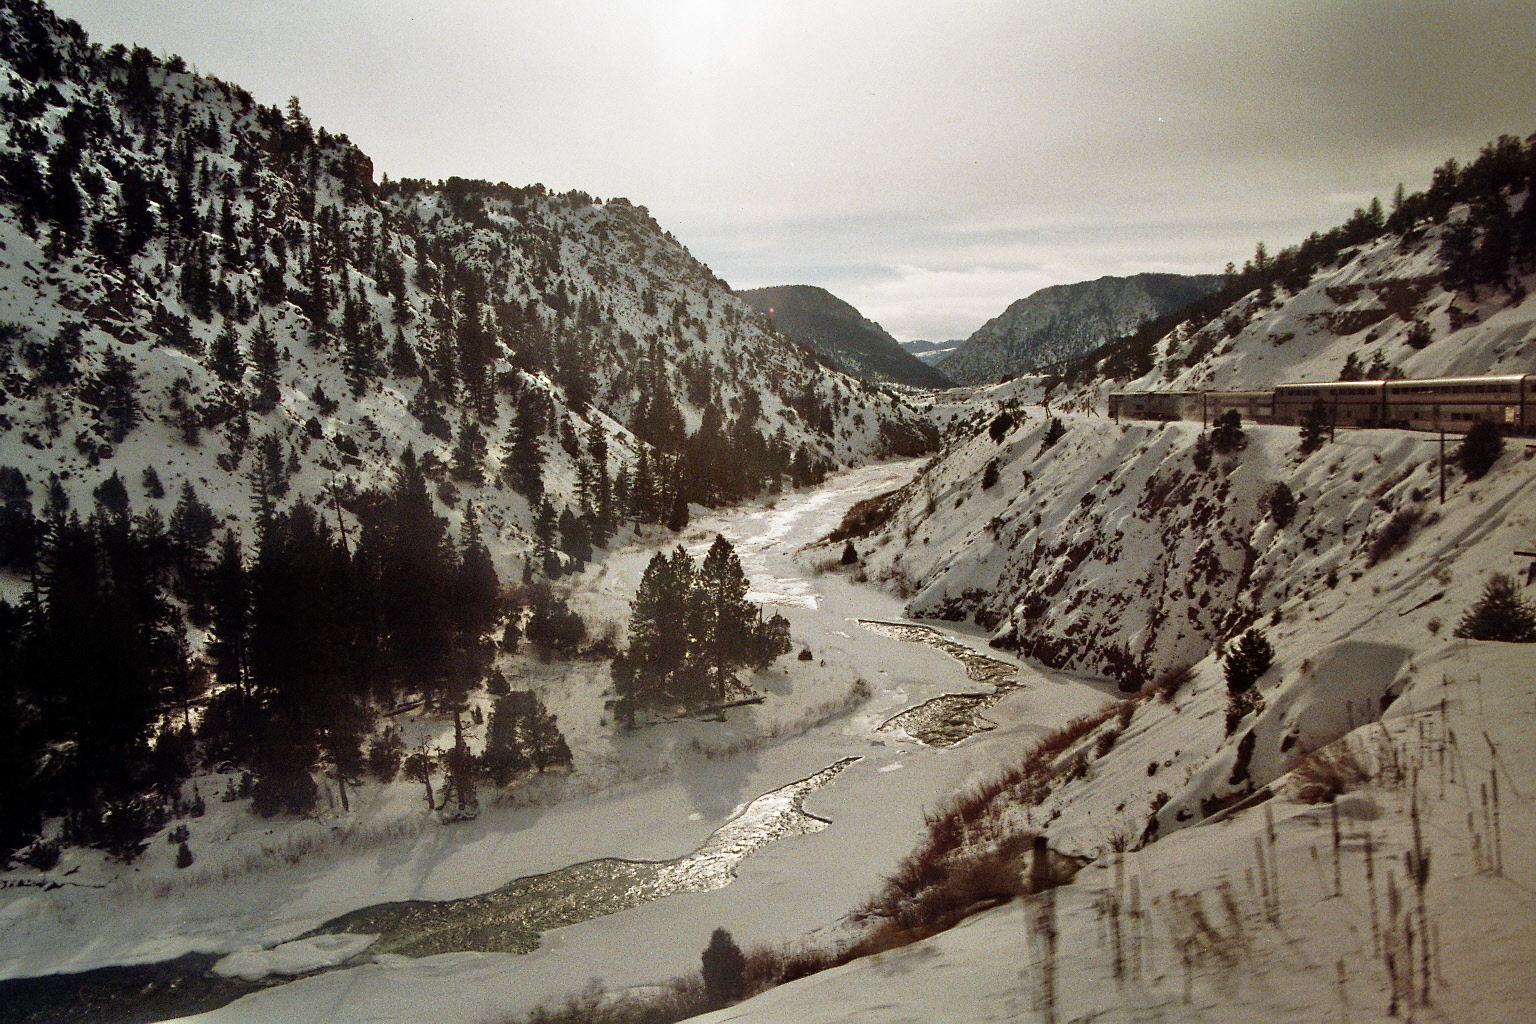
(187, 273)
(931, 352)
(1384, 311)
(422, 600)
(1126, 550)
(1438, 286)
(265, 419)
(1218, 883)
(1298, 910)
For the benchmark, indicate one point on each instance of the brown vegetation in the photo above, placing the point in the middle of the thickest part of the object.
(867, 516)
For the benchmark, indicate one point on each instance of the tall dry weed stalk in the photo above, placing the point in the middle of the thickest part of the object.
(1043, 938)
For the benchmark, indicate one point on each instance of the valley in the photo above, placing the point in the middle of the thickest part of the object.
(441, 599)
(870, 814)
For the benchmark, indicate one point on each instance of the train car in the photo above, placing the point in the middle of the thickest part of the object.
(1197, 406)
(1455, 403)
(1155, 405)
(1355, 403)
(1442, 403)
(1252, 406)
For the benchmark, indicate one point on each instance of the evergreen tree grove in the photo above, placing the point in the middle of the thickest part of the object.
(691, 627)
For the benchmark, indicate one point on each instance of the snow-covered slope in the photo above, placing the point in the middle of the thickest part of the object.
(1249, 918)
(1385, 309)
(931, 352)
(1113, 552)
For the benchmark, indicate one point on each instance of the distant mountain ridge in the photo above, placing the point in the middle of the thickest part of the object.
(1065, 321)
(845, 337)
(931, 352)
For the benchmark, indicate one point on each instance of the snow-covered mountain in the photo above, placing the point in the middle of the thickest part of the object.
(1438, 286)
(187, 273)
(1064, 321)
(840, 333)
(1385, 309)
(931, 352)
(1129, 549)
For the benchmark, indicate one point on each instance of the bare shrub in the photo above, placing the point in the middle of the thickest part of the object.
(974, 819)
(1393, 535)
(867, 516)
(678, 1000)
(1171, 680)
(1328, 772)
(768, 967)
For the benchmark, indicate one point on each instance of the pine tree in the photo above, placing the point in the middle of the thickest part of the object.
(150, 481)
(553, 627)
(770, 640)
(602, 486)
(505, 753)
(574, 538)
(1247, 660)
(264, 360)
(1501, 613)
(642, 490)
(224, 357)
(1480, 449)
(676, 499)
(119, 395)
(658, 634)
(1316, 426)
(20, 532)
(229, 606)
(724, 969)
(61, 355)
(523, 463)
(721, 619)
(410, 547)
(650, 613)
(112, 498)
(1227, 433)
(469, 452)
(477, 591)
(191, 529)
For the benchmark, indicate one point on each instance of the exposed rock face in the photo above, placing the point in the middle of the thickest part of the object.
(842, 335)
(1069, 320)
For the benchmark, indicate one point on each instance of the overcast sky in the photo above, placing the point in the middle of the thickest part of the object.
(930, 162)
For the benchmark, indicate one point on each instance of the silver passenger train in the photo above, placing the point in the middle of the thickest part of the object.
(1442, 403)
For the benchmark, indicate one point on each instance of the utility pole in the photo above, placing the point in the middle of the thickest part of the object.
(1530, 571)
(1442, 454)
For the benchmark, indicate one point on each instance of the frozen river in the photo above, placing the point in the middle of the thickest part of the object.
(625, 887)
